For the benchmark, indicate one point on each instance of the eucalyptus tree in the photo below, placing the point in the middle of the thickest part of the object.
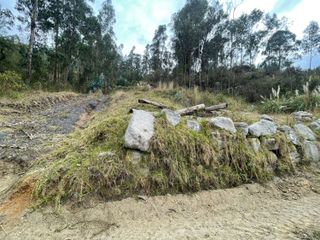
(311, 41)
(30, 10)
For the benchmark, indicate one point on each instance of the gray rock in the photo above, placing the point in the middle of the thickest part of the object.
(312, 151)
(242, 127)
(193, 125)
(254, 144)
(271, 144)
(262, 128)
(223, 123)
(266, 117)
(302, 116)
(290, 133)
(2, 136)
(140, 131)
(314, 125)
(172, 117)
(304, 132)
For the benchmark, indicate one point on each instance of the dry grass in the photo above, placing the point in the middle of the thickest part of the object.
(180, 160)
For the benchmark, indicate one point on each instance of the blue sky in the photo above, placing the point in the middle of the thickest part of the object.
(138, 19)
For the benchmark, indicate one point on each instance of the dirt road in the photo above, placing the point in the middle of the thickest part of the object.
(283, 209)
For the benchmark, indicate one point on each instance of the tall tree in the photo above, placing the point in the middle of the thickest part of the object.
(311, 41)
(30, 10)
(6, 19)
(158, 51)
(280, 48)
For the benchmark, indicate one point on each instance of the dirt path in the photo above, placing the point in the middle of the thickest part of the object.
(27, 133)
(284, 209)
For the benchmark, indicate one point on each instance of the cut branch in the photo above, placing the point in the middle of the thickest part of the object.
(146, 101)
(191, 110)
(216, 107)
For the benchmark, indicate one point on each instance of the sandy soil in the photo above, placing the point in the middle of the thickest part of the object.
(283, 209)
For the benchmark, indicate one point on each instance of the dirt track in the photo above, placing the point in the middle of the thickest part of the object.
(283, 209)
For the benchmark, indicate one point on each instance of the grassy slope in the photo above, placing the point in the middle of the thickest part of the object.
(180, 160)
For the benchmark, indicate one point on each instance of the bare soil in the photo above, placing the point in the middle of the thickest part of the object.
(282, 209)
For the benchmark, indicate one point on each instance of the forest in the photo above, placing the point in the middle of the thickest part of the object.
(205, 45)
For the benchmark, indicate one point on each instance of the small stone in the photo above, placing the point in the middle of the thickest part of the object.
(223, 123)
(271, 144)
(304, 132)
(302, 116)
(312, 151)
(193, 125)
(172, 117)
(294, 155)
(255, 144)
(242, 127)
(267, 118)
(262, 128)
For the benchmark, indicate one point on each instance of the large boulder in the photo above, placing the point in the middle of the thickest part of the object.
(172, 117)
(290, 133)
(312, 151)
(262, 128)
(304, 132)
(223, 123)
(242, 127)
(193, 125)
(140, 131)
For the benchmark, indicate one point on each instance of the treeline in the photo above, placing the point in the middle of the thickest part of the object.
(70, 46)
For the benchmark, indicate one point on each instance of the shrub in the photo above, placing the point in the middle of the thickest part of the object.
(10, 83)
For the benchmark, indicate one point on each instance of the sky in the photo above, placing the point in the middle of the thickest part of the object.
(137, 20)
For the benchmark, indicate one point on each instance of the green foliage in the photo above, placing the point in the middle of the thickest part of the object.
(10, 84)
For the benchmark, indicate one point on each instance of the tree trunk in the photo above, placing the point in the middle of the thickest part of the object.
(34, 17)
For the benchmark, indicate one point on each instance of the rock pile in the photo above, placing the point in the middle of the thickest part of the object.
(262, 133)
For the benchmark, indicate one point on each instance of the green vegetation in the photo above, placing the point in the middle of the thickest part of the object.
(93, 162)
(11, 84)
(85, 55)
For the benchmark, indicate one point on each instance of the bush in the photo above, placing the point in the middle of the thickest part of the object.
(10, 83)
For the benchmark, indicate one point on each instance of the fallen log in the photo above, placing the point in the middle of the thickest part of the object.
(191, 110)
(216, 107)
(146, 101)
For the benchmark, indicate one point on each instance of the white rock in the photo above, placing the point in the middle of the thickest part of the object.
(223, 123)
(304, 132)
(312, 151)
(172, 117)
(290, 133)
(262, 128)
(193, 125)
(140, 131)
(242, 127)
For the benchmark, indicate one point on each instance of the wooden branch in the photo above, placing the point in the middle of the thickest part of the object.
(146, 101)
(216, 107)
(191, 110)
